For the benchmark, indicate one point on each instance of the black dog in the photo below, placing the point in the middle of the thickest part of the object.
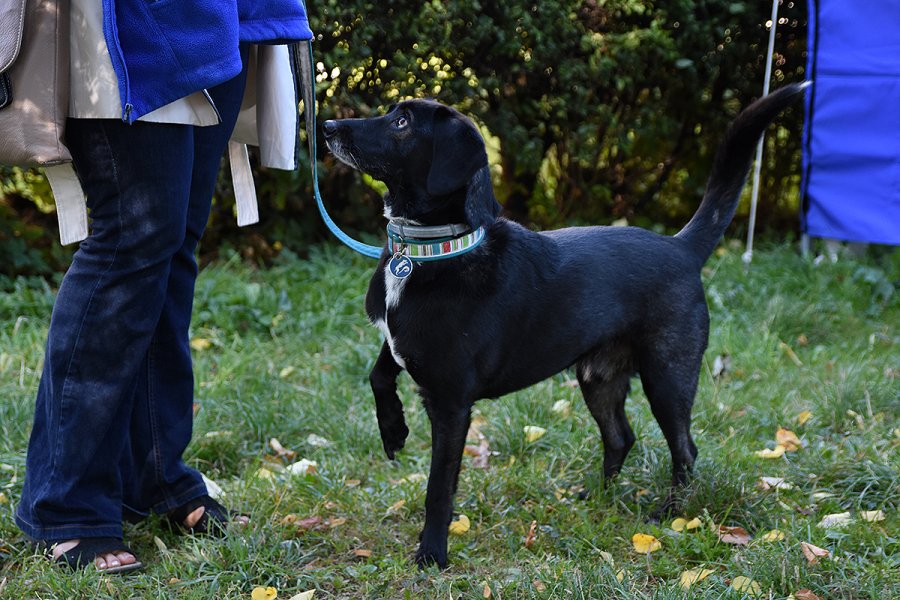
(474, 306)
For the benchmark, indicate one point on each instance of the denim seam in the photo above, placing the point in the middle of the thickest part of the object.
(154, 426)
(78, 337)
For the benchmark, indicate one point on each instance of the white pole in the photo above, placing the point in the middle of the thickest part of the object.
(754, 195)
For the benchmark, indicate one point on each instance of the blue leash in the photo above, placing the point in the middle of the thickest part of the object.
(308, 93)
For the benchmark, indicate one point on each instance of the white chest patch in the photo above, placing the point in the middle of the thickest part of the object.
(393, 290)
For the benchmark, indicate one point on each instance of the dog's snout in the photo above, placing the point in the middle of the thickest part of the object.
(330, 128)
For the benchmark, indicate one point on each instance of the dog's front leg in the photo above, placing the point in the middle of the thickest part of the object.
(448, 438)
(388, 408)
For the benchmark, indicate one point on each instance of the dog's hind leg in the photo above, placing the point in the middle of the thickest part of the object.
(388, 407)
(670, 382)
(449, 425)
(605, 393)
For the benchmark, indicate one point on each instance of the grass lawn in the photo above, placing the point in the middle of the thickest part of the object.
(285, 353)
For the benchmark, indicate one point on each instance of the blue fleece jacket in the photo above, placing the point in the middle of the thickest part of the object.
(163, 50)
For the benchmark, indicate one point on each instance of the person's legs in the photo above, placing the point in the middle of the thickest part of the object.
(154, 471)
(136, 179)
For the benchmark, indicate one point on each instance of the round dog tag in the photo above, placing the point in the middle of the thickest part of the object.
(400, 266)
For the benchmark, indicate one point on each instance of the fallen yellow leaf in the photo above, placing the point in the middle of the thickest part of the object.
(773, 536)
(396, 506)
(789, 352)
(199, 344)
(776, 452)
(533, 433)
(3, 498)
(803, 417)
(264, 473)
(486, 592)
(872, 516)
(746, 586)
(803, 595)
(362, 553)
(692, 576)
(620, 575)
(285, 372)
(644, 543)
(773, 483)
(788, 439)
(303, 467)
(532, 534)
(263, 593)
(337, 522)
(307, 595)
(681, 524)
(460, 526)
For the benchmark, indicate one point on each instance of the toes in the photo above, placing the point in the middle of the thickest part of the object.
(193, 518)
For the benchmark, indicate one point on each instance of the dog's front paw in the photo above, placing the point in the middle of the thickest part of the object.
(393, 436)
(428, 555)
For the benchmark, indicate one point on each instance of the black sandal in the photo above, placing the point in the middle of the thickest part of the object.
(214, 520)
(88, 549)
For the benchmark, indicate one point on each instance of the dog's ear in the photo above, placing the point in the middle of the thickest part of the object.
(457, 153)
(481, 206)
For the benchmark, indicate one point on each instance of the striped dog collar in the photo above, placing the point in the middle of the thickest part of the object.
(422, 250)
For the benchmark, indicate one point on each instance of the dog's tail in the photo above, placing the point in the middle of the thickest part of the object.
(729, 172)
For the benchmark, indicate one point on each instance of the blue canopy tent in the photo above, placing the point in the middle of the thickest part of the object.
(851, 138)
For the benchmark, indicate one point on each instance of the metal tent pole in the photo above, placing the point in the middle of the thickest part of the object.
(747, 257)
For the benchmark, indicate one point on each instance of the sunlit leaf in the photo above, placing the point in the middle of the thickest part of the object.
(286, 372)
(337, 522)
(302, 467)
(199, 344)
(774, 535)
(803, 417)
(774, 483)
(813, 553)
(362, 553)
(776, 452)
(317, 441)
(533, 433)
(307, 595)
(692, 576)
(562, 407)
(737, 536)
(835, 520)
(620, 575)
(263, 593)
(789, 352)
(644, 543)
(460, 526)
(788, 439)
(486, 591)
(396, 506)
(872, 516)
(746, 585)
(264, 473)
(681, 524)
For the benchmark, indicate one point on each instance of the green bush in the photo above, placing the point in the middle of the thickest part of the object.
(593, 110)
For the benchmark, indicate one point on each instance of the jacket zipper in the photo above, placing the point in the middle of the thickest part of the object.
(118, 58)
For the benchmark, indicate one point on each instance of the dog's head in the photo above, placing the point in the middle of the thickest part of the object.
(431, 158)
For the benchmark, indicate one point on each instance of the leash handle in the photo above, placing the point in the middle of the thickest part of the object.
(303, 57)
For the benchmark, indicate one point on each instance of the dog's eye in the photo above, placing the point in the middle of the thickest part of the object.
(401, 122)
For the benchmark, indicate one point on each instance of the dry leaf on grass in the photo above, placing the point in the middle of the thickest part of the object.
(737, 536)
(336, 522)
(302, 467)
(460, 526)
(307, 595)
(681, 524)
(480, 454)
(803, 417)
(776, 452)
(199, 344)
(263, 593)
(803, 594)
(692, 576)
(486, 592)
(644, 543)
(533, 433)
(281, 451)
(746, 585)
(872, 516)
(773, 536)
(532, 534)
(813, 553)
(362, 553)
(836, 520)
(317, 441)
(562, 408)
(773, 483)
(395, 506)
(788, 439)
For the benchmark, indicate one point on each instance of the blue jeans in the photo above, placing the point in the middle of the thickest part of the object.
(114, 407)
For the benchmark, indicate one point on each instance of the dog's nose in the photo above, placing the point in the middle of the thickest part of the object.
(330, 128)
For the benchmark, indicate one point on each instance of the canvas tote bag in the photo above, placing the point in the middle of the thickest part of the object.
(34, 101)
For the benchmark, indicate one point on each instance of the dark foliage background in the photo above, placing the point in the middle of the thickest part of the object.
(594, 111)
